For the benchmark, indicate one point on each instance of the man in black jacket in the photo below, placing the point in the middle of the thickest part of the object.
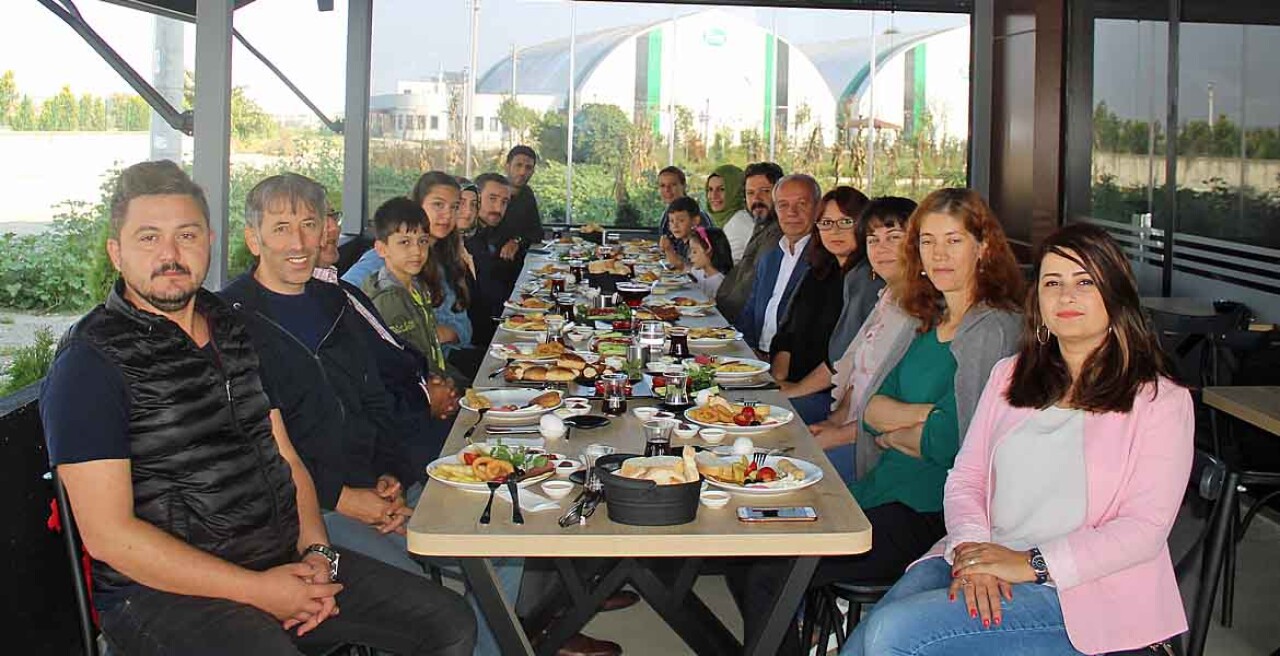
(496, 274)
(522, 226)
(316, 359)
(187, 489)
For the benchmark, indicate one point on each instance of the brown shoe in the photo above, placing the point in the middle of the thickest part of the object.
(585, 645)
(619, 600)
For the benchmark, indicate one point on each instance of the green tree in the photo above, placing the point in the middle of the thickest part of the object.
(248, 119)
(128, 113)
(8, 97)
(24, 117)
(60, 113)
(93, 113)
(520, 120)
(552, 134)
(600, 135)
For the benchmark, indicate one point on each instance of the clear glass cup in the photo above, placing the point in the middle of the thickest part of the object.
(615, 394)
(652, 333)
(657, 436)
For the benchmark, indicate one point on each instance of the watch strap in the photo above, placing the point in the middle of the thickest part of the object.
(1038, 565)
(330, 554)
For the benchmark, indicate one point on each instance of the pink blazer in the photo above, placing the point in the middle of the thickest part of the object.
(1114, 576)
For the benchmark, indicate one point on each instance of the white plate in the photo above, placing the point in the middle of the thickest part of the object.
(709, 341)
(700, 306)
(516, 307)
(519, 350)
(760, 367)
(782, 415)
(477, 487)
(812, 474)
(519, 397)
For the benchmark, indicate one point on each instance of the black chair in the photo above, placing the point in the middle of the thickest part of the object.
(1214, 482)
(822, 614)
(91, 639)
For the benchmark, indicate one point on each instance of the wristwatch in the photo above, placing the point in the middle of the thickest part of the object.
(1038, 565)
(329, 554)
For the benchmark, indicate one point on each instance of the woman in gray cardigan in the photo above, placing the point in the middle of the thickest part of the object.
(962, 288)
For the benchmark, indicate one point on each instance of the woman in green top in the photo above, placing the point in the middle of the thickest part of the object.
(963, 289)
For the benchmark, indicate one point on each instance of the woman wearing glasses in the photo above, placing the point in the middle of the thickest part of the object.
(816, 305)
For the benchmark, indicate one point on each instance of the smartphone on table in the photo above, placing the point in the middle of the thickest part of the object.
(788, 514)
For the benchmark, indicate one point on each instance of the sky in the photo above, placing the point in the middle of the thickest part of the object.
(412, 39)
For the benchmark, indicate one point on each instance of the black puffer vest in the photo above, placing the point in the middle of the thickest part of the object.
(205, 465)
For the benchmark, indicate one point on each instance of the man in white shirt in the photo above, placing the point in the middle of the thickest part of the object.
(796, 199)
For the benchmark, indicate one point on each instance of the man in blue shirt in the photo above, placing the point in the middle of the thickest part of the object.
(201, 517)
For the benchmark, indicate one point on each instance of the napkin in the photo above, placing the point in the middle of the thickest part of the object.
(509, 440)
(530, 501)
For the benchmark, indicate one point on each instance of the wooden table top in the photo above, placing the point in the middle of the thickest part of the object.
(1187, 307)
(445, 522)
(1259, 406)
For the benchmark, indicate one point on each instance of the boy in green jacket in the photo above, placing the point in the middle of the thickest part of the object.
(400, 226)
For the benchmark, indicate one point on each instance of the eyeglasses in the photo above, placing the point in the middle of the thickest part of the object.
(844, 223)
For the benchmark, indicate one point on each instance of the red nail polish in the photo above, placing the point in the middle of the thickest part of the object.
(986, 623)
(973, 613)
(997, 621)
(953, 597)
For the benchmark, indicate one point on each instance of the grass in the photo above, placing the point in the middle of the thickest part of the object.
(30, 363)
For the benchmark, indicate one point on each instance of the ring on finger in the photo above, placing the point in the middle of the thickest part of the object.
(972, 562)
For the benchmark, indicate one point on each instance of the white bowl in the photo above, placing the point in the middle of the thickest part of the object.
(663, 414)
(644, 413)
(709, 498)
(564, 468)
(561, 489)
(713, 435)
(686, 433)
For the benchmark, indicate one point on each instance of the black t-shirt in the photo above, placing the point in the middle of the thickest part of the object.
(303, 315)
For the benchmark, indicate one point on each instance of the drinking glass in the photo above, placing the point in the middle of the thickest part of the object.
(615, 393)
(679, 342)
(657, 436)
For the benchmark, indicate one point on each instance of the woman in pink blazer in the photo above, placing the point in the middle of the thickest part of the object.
(1061, 499)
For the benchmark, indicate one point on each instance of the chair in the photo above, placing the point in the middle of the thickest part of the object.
(91, 638)
(1214, 482)
(822, 615)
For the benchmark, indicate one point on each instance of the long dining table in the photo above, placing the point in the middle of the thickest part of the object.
(596, 558)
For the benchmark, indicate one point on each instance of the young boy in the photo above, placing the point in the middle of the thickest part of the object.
(400, 226)
(683, 215)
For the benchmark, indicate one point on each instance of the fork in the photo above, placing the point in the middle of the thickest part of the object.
(480, 417)
(514, 486)
(488, 507)
(758, 458)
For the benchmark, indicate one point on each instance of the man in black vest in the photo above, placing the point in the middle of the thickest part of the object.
(201, 518)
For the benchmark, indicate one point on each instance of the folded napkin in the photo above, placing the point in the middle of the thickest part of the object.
(530, 501)
(511, 440)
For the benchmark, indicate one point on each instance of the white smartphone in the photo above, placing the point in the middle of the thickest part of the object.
(789, 514)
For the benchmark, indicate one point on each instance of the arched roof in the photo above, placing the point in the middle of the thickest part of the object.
(544, 69)
(845, 63)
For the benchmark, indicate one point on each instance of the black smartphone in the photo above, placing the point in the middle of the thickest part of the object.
(789, 514)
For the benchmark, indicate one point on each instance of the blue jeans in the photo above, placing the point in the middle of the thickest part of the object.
(917, 619)
(393, 549)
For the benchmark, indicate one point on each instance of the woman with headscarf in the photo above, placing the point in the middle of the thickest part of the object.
(727, 205)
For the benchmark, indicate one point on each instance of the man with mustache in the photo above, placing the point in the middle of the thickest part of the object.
(496, 274)
(188, 491)
(522, 226)
(797, 200)
(760, 178)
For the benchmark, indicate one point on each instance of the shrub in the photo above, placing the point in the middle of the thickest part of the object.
(31, 362)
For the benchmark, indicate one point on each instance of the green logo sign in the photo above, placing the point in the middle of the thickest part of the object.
(714, 37)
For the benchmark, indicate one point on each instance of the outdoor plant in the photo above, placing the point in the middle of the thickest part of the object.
(30, 363)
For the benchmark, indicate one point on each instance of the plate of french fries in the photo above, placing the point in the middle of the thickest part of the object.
(737, 473)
